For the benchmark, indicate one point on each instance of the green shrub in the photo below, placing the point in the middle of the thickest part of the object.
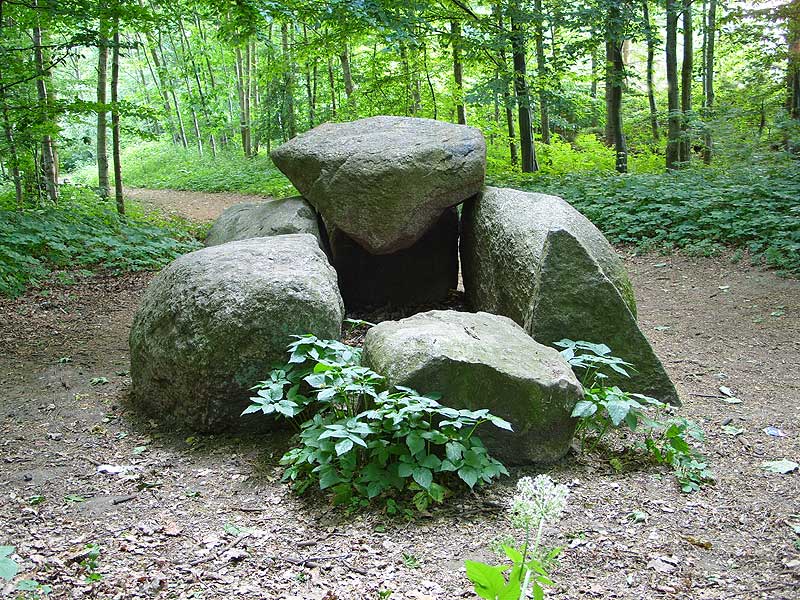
(83, 231)
(667, 438)
(362, 440)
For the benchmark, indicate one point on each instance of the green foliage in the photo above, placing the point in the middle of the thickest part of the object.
(362, 440)
(699, 210)
(8, 566)
(667, 438)
(83, 231)
(164, 166)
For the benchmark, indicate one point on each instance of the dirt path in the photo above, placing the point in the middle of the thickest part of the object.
(207, 517)
(191, 205)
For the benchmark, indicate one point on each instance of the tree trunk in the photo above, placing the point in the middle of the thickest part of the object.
(102, 125)
(711, 34)
(332, 84)
(507, 102)
(344, 59)
(651, 94)
(309, 83)
(673, 99)
(614, 44)
(541, 72)
(244, 126)
(529, 162)
(593, 89)
(430, 81)
(686, 81)
(288, 81)
(49, 160)
(115, 134)
(458, 71)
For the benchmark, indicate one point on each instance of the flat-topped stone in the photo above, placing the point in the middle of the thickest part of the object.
(384, 181)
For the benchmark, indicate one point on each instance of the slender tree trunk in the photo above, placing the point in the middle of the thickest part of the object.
(430, 81)
(793, 64)
(49, 164)
(541, 72)
(529, 162)
(255, 104)
(651, 94)
(673, 96)
(344, 59)
(686, 81)
(168, 87)
(614, 82)
(115, 132)
(102, 125)
(507, 101)
(244, 126)
(288, 81)
(711, 34)
(458, 71)
(309, 83)
(332, 85)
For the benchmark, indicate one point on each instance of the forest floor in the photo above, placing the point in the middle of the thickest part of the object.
(177, 515)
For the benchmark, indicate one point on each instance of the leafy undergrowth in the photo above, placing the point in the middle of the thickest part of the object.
(163, 166)
(83, 232)
(755, 208)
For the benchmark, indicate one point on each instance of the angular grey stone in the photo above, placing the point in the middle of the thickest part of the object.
(479, 360)
(421, 274)
(537, 260)
(385, 180)
(263, 219)
(212, 323)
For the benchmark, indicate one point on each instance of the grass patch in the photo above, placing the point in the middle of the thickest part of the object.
(701, 211)
(161, 166)
(83, 232)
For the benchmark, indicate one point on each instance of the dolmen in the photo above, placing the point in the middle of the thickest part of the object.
(389, 207)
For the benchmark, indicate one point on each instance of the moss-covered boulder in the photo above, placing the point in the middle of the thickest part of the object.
(537, 260)
(479, 360)
(263, 219)
(421, 274)
(212, 323)
(385, 180)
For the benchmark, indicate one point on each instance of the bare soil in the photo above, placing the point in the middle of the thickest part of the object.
(207, 516)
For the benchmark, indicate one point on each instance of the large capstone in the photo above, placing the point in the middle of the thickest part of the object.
(212, 324)
(384, 181)
(537, 260)
(419, 275)
(263, 219)
(479, 360)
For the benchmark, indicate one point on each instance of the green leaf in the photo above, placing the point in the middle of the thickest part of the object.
(344, 446)
(618, 410)
(584, 408)
(468, 475)
(454, 451)
(328, 479)
(415, 443)
(8, 567)
(488, 581)
(423, 476)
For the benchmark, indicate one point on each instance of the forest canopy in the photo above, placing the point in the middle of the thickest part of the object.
(556, 87)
